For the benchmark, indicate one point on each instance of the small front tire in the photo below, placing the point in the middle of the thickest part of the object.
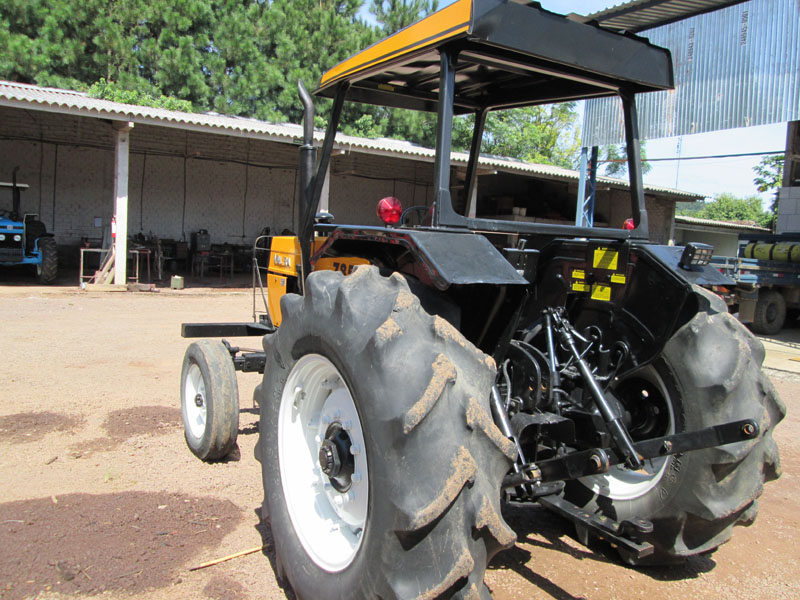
(209, 400)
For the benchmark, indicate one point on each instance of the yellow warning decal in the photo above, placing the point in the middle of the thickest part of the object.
(601, 291)
(578, 274)
(605, 258)
(618, 278)
(578, 286)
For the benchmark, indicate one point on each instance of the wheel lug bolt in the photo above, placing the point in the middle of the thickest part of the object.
(299, 395)
(748, 429)
(667, 446)
(355, 449)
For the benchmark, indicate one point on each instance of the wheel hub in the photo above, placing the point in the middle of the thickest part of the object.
(335, 458)
(643, 402)
(198, 400)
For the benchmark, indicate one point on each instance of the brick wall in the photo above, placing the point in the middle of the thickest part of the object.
(233, 186)
(181, 181)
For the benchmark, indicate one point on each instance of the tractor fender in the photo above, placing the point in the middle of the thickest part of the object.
(446, 257)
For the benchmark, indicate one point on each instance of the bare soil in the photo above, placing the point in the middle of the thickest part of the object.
(99, 494)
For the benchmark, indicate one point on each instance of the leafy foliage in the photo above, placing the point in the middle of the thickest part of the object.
(727, 207)
(544, 134)
(393, 15)
(243, 57)
(615, 159)
(112, 91)
(769, 176)
(769, 173)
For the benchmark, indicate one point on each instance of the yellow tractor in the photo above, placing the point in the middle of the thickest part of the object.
(416, 377)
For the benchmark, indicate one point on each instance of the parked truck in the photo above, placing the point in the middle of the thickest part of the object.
(415, 378)
(766, 293)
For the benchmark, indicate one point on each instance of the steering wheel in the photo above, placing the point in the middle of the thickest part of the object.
(420, 211)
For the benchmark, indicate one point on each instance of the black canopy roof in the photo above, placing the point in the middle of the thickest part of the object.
(508, 54)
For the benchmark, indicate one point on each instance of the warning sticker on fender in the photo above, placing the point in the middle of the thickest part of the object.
(601, 291)
(605, 258)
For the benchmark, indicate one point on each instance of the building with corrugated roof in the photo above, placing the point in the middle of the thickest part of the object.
(175, 173)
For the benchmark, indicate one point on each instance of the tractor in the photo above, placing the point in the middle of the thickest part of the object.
(417, 379)
(25, 241)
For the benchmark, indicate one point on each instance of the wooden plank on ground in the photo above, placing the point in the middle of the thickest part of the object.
(105, 287)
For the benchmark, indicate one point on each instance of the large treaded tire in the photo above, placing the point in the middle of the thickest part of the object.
(47, 271)
(770, 313)
(435, 457)
(711, 369)
(210, 431)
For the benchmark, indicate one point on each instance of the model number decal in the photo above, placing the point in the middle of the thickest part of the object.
(343, 268)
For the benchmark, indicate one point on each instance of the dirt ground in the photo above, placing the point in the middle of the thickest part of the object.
(100, 495)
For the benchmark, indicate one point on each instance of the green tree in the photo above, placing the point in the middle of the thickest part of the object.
(543, 134)
(393, 15)
(615, 158)
(769, 176)
(727, 207)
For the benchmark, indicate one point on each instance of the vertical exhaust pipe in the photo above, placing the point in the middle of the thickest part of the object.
(308, 163)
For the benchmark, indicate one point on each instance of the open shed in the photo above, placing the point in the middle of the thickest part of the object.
(169, 174)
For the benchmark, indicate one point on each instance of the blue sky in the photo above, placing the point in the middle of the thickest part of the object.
(707, 177)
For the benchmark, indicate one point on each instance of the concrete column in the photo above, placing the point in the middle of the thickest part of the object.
(121, 154)
(324, 199)
(472, 207)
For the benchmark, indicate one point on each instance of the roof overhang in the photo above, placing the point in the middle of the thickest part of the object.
(508, 54)
(639, 15)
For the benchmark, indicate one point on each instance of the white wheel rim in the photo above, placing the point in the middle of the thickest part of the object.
(620, 483)
(329, 523)
(194, 392)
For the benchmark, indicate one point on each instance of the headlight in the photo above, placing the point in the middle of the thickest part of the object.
(17, 238)
(695, 254)
(2, 238)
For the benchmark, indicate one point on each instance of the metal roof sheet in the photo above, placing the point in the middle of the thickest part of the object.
(685, 220)
(736, 67)
(70, 102)
(637, 15)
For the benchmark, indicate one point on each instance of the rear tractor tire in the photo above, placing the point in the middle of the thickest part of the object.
(709, 373)
(47, 270)
(381, 463)
(209, 400)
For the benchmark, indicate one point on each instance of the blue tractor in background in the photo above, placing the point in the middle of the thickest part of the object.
(25, 241)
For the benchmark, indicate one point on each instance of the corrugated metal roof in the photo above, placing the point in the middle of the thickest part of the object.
(70, 102)
(684, 220)
(78, 103)
(736, 67)
(637, 15)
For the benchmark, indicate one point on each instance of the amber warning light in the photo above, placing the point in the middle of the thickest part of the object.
(389, 210)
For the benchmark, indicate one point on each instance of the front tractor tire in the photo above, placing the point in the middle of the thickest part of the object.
(209, 400)
(709, 373)
(381, 463)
